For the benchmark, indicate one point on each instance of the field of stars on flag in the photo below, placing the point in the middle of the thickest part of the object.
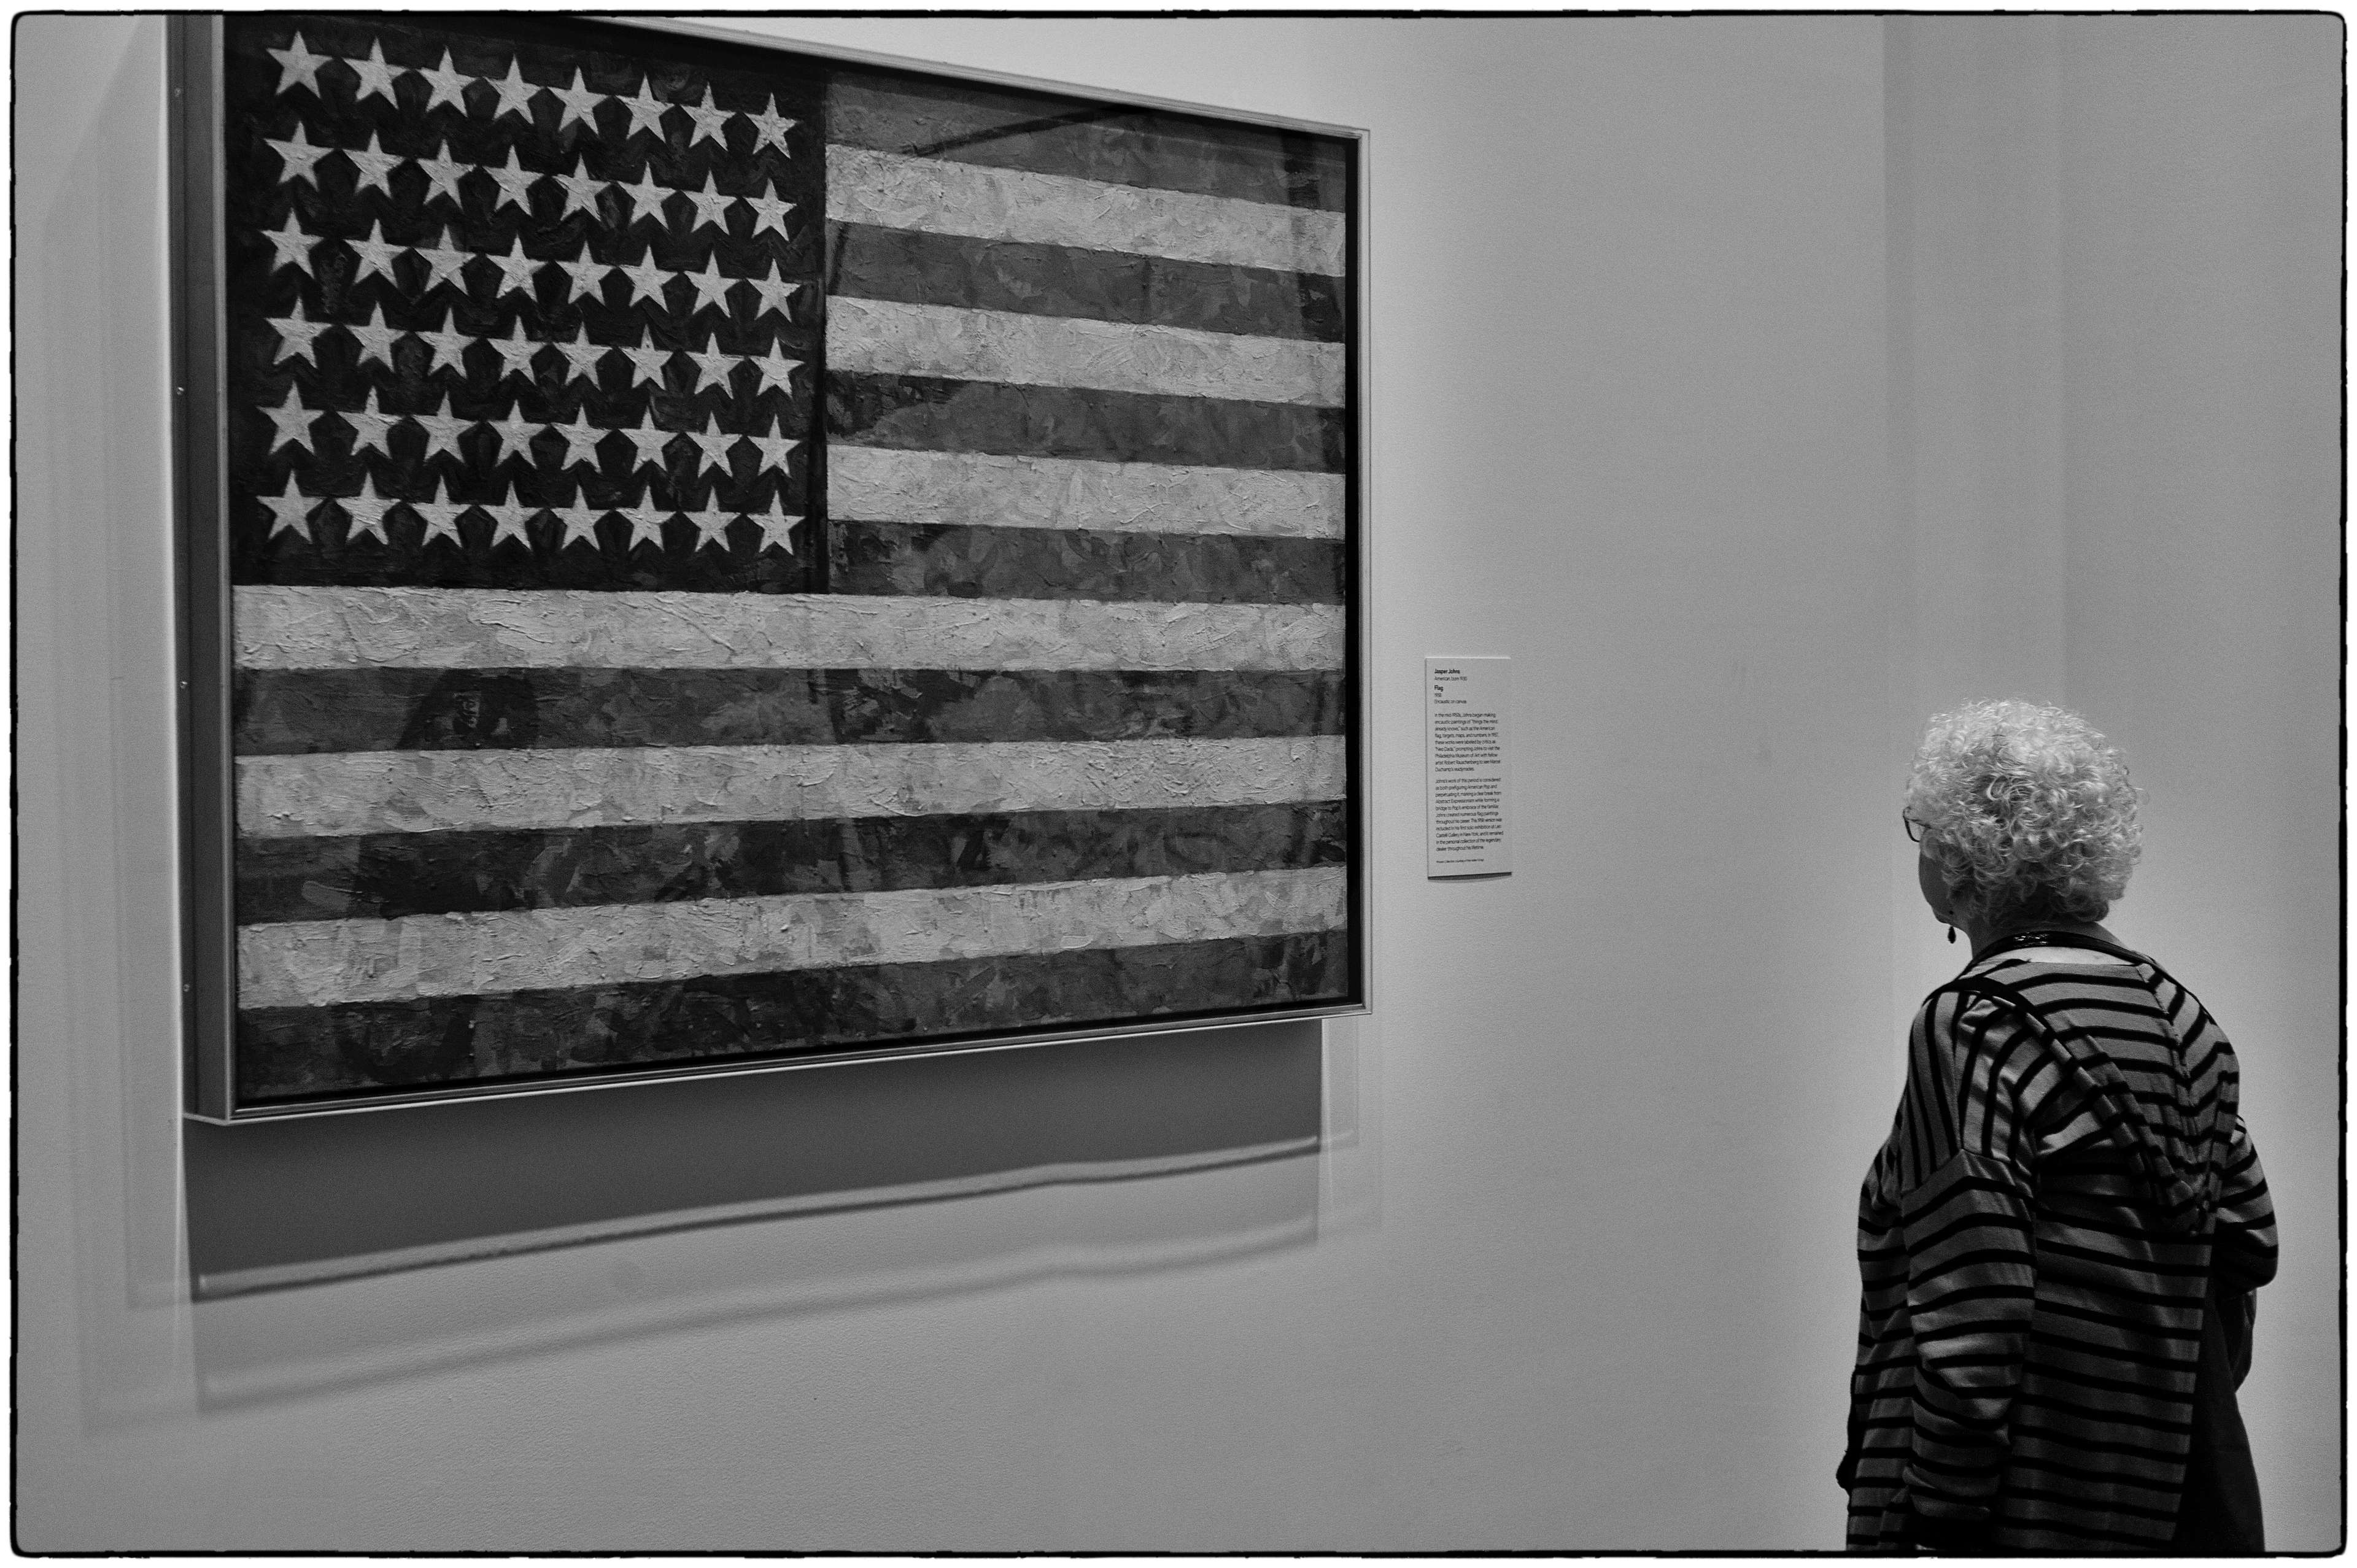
(736, 556)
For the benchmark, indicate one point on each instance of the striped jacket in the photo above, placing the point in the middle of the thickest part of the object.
(2067, 1168)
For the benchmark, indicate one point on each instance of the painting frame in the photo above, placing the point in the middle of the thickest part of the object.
(205, 522)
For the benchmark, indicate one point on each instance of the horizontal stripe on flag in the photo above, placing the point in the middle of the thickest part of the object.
(1127, 146)
(934, 414)
(885, 485)
(889, 338)
(316, 628)
(290, 1053)
(293, 711)
(1102, 285)
(940, 197)
(327, 963)
(327, 794)
(901, 559)
(385, 876)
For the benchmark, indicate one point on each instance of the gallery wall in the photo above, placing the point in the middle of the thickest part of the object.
(2115, 278)
(1671, 388)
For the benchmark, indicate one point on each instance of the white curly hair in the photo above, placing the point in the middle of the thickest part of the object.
(2026, 810)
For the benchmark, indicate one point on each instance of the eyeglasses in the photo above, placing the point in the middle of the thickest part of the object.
(1914, 829)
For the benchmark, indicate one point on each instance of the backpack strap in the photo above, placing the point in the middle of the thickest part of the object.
(2183, 1203)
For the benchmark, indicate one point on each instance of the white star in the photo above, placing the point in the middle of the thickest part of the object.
(299, 66)
(711, 207)
(580, 189)
(300, 159)
(440, 517)
(776, 527)
(298, 334)
(375, 166)
(777, 370)
(710, 121)
(650, 443)
(515, 183)
(582, 356)
(443, 264)
(517, 352)
(290, 420)
(515, 269)
(776, 449)
(580, 104)
(768, 212)
(292, 244)
(588, 275)
(443, 174)
(376, 77)
(711, 525)
(372, 428)
(508, 519)
(775, 292)
(377, 255)
(367, 512)
(444, 85)
(646, 364)
(579, 523)
(710, 287)
(580, 435)
(290, 512)
(710, 364)
(713, 443)
(646, 524)
(647, 198)
(442, 430)
(444, 345)
(769, 128)
(515, 434)
(646, 279)
(375, 339)
(515, 93)
(646, 111)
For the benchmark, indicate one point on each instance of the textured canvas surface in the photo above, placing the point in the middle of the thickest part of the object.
(736, 556)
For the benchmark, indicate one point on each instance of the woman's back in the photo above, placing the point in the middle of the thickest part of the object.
(2036, 1243)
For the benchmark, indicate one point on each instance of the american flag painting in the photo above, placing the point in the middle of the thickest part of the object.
(735, 556)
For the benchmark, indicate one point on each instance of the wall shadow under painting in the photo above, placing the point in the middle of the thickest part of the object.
(348, 1249)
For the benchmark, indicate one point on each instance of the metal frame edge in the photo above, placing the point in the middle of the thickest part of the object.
(198, 521)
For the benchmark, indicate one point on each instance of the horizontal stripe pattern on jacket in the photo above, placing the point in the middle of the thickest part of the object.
(2067, 1167)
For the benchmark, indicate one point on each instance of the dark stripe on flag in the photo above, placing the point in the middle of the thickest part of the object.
(684, 563)
(291, 712)
(1122, 146)
(929, 414)
(387, 876)
(289, 1053)
(907, 264)
(1071, 563)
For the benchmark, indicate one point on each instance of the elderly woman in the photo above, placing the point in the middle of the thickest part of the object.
(2058, 1240)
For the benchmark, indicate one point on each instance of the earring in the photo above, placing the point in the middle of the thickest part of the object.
(1952, 936)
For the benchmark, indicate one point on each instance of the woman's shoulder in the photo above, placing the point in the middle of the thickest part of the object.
(2026, 994)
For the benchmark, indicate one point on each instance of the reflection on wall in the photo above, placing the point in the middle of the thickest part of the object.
(352, 1248)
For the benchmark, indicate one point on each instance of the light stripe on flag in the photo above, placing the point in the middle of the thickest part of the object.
(296, 628)
(944, 197)
(981, 487)
(327, 963)
(890, 337)
(432, 791)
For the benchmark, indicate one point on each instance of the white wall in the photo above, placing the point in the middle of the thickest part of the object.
(1574, 1270)
(2116, 275)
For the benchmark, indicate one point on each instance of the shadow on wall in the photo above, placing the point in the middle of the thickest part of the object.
(349, 1248)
